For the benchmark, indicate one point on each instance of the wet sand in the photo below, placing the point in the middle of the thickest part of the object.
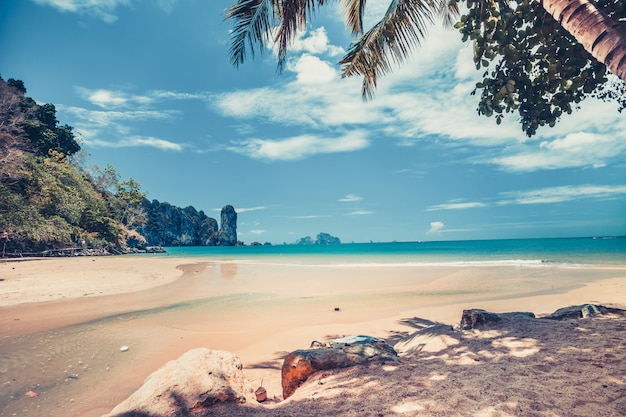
(63, 321)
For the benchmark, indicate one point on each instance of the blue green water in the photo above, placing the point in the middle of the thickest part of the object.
(569, 251)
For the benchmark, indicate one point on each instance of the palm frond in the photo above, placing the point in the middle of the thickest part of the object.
(253, 22)
(293, 15)
(402, 28)
(353, 10)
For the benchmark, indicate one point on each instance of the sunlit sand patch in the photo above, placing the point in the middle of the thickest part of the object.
(519, 348)
(486, 334)
(467, 358)
(486, 354)
(389, 368)
(492, 412)
(438, 377)
(407, 407)
(431, 340)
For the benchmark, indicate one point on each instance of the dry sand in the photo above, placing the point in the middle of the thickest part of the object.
(63, 321)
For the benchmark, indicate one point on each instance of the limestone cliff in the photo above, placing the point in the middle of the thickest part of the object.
(168, 225)
(228, 227)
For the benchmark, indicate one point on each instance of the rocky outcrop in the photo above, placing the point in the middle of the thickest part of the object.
(339, 353)
(228, 227)
(580, 312)
(197, 380)
(470, 319)
(168, 225)
(474, 318)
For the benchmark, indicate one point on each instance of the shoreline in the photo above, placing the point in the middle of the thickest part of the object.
(161, 307)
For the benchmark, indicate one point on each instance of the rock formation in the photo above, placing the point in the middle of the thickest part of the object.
(228, 226)
(474, 318)
(321, 239)
(341, 353)
(580, 312)
(168, 225)
(197, 380)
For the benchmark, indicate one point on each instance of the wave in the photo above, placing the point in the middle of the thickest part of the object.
(529, 263)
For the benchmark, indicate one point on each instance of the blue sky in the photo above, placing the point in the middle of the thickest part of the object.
(149, 87)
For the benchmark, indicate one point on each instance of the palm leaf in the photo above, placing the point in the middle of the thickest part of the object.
(252, 27)
(354, 15)
(293, 15)
(402, 28)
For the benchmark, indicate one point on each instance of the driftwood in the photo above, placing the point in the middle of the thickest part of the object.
(342, 353)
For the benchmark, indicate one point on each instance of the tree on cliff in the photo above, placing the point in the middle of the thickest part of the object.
(46, 200)
(540, 57)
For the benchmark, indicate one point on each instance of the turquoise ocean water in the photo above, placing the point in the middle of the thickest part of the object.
(560, 251)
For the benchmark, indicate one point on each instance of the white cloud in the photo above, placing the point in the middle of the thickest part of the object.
(456, 206)
(110, 99)
(91, 124)
(257, 232)
(435, 228)
(574, 150)
(350, 198)
(100, 9)
(333, 104)
(246, 209)
(310, 216)
(548, 195)
(175, 95)
(138, 141)
(299, 147)
(310, 69)
(167, 5)
(359, 213)
(563, 194)
(315, 43)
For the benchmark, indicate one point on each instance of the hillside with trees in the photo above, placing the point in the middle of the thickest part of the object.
(50, 205)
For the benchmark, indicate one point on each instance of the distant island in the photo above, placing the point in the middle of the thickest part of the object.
(321, 239)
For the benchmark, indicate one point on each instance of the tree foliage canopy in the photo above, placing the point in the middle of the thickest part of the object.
(533, 66)
(47, 202)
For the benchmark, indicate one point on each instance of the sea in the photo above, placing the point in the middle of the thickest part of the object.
(580, 251)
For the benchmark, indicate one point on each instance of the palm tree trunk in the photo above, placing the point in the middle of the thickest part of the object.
(600, 35)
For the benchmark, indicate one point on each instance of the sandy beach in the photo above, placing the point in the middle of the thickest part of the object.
(63, 322)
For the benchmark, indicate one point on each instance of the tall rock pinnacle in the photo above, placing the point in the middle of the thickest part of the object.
(228, 226)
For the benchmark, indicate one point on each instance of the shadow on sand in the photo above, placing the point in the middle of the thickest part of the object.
(522, 368)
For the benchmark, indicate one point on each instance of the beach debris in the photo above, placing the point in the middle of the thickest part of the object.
(261, 393)
(337, 309)
(343, 353)
(124, 349)
(31, 394)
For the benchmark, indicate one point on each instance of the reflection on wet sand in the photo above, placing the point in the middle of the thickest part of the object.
(228, 270)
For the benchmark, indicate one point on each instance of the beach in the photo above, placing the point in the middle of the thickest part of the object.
(63, 323)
